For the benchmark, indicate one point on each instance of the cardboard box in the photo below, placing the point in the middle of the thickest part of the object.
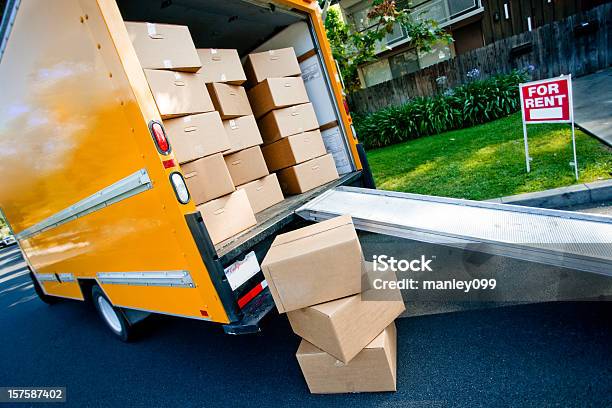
(163, 46)
(314, 264)
(271, 64)
(220, 65)
(287, 121)
(246, 165)
(207, 178)
(263, 193)
(308, 175)
(374, 369)
(196, 136)
(345, 326)
(275, 93)
(178, 94)
(227, 216)
(242, 133)
(230, 100)
(293, 150)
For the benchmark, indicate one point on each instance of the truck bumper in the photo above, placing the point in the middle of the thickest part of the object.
(253, 313)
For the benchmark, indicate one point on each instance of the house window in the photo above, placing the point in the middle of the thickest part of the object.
(376, 72)
(461, 6)
(440, 52)
(404, 63)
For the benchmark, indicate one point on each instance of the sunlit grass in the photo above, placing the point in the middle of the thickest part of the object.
(488, 161)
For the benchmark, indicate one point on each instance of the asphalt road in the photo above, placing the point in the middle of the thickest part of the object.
(546, 354)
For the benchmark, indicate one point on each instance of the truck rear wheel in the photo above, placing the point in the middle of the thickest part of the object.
(112, 316)
(41, 294)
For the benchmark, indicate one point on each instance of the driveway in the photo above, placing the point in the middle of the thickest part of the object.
(593, 104)
(546, 354)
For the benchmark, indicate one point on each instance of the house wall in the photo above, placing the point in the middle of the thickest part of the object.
(497, 24)
(561, 47)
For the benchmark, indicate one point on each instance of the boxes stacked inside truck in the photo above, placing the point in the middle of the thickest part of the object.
(239, 150)
(293, 146)
(317, 276)
(224, 77)
(192, 106)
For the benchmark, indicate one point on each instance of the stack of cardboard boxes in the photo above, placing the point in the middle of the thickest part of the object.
(317, 276)
(214, 127)
(293, 146)
(193, 121)
(224, 77)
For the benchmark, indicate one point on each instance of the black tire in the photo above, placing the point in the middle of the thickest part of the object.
(118, 325)
(50, 300)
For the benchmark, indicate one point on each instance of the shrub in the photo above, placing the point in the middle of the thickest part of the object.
(474, 103)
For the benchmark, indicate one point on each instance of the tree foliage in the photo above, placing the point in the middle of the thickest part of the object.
(351, 48)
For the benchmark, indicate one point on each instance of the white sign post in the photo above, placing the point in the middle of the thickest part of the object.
(548, 101)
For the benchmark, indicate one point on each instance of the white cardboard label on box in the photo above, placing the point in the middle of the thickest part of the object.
(241, 271)
(233, 124)
(167, 63)
(151, 29)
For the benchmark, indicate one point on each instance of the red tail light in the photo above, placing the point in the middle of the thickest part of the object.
(159, 136)
(346, 106)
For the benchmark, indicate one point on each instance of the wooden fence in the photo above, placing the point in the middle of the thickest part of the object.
(563, 47)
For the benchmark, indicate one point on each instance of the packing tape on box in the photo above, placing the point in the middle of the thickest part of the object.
(152, 31)
(272, 55)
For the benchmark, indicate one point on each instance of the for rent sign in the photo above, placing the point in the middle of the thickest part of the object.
(547, 101)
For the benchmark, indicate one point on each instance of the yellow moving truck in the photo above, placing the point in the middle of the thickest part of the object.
(99, 210)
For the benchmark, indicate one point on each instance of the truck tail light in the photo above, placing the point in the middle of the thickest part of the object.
(346, 106)
(159, 137)
(180, 188)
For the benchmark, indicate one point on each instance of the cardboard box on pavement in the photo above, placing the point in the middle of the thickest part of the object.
(314, 264)
(163, 46)
(178, 93)
(263, 193)
(242, 133)
(229, 100)
(374, 369)
(207, 178)
(275, 93)
(246, 165)
(227, 216)
(271, 64)
(293, 150)
(221, 65)
(343, 327)
(196, 136)
(288, 121)
(308, 175)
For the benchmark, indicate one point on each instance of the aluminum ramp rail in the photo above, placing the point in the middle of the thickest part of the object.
(553, 237)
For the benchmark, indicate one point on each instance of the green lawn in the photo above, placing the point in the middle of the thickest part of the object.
(488, 161)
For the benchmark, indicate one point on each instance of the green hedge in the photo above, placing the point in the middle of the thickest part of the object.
(477, 102)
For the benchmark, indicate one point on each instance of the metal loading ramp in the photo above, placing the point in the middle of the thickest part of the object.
(553, 237)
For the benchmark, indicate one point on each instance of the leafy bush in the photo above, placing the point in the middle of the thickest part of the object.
(474, 103)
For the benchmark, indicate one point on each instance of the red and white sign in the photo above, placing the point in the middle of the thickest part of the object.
(547, 101)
